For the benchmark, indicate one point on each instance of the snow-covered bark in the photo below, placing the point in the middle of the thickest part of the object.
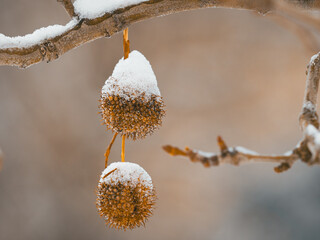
(97, 19)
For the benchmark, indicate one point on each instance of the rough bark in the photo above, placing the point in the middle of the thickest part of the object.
(90, 29)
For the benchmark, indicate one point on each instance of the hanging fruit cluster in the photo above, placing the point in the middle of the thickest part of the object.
(131, 105)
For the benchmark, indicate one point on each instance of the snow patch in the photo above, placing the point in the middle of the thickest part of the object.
(38, 36)
(96, 8)
(309, 105)
(133, 75)
(315, 134)
(314, 58)
(288, 153)
(205, 154)
(126, 172)
(245, 151)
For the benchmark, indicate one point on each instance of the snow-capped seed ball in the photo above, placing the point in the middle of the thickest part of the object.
(125, 195)
(131, 102)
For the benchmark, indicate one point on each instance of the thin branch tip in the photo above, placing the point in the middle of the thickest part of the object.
(233, 156)
(174, 151)
(221, 143)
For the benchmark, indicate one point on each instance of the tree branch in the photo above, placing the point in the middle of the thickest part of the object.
(68, 5)
(308, 115)
(87, 30)
(234, 156)
(308, 150)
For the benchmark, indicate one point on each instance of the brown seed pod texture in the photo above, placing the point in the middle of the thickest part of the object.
(125, 196)
(133, 116)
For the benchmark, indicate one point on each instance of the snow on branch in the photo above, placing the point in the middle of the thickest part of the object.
(231, 155)
(93, 19)
(307, 150)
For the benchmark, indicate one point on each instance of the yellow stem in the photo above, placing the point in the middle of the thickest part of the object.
(123, 147)
(109, 149)
(126, 43)
(109, 173)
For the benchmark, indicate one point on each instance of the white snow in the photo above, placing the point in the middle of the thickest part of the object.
(245, 151)
(309, 105)
(239, 149)
(313, 132)
(96, 8)
(313, 58)
(288, 153)
(133, 75)
(38, 36)
(205, 154)
(314, 146)
(126, 172)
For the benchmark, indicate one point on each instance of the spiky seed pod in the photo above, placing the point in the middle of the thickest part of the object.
(136, 118)
(125, 195)
(131, 102)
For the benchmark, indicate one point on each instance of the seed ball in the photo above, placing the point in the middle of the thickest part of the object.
(131, 103)
(134, 117)
(125, 195)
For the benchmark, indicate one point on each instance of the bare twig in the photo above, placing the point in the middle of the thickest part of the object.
(68, 5)
(90, 29)
(234, 156)
(308, 150)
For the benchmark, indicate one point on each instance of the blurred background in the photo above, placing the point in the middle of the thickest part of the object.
(221, 72)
